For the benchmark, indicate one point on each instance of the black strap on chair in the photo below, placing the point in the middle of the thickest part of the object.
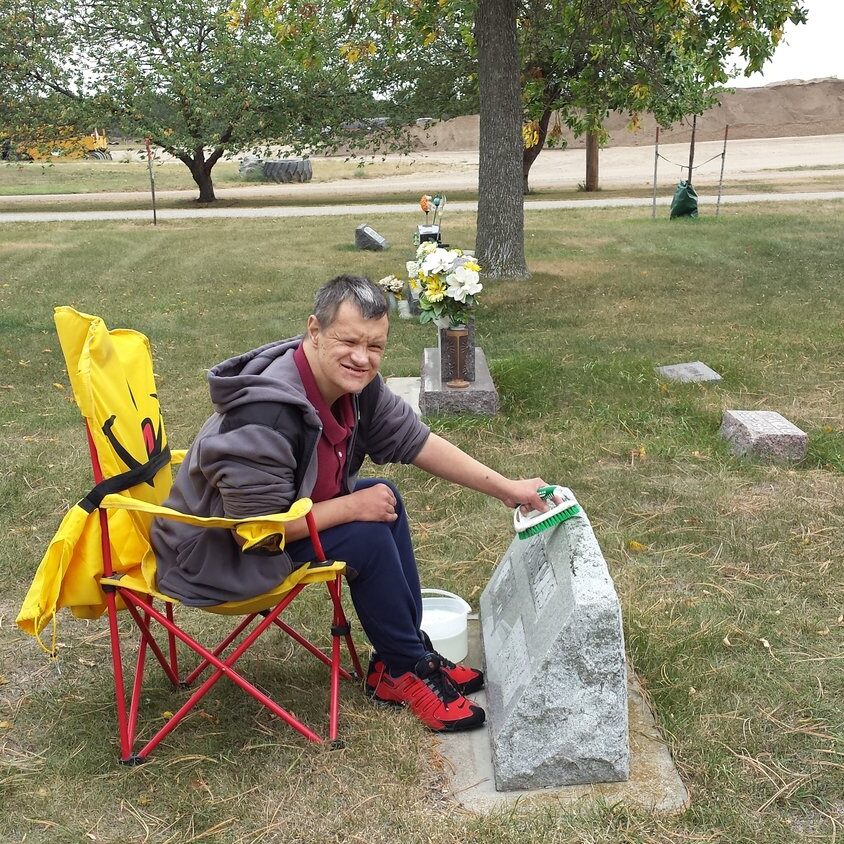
(125, 480)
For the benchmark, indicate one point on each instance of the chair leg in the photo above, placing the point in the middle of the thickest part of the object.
(171, 641)
(223, 667)
(137, 685)
(189, 680)
(310, 647)
(339, 629)
(341, 624)
(119, 688)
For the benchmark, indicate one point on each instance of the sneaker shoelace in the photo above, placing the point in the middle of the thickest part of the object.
(438, 682)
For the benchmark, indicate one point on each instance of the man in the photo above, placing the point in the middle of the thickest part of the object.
(297, 418)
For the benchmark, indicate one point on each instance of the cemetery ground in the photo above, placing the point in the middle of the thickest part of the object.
(729, 571)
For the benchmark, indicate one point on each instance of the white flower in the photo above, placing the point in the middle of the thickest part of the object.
(439, 261)
(425, 248)
(391, 284)
(412, 269)
(463, 282)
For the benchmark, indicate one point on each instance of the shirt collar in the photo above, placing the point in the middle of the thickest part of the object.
(333, 430)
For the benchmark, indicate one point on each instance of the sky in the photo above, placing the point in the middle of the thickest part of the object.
(810, 51)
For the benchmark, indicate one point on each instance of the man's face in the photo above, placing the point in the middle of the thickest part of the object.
(346, 355)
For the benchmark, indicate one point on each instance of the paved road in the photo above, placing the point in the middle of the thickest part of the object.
(361, 211)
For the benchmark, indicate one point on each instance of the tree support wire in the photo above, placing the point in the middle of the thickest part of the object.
(721, 178)
(656, 162)
(690, 167)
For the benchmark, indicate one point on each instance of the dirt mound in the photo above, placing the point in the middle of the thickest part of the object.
(779, 110)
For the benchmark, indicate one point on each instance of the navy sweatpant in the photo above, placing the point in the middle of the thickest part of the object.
(383, 580)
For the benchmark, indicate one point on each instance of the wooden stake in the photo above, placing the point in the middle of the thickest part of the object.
(721, 179)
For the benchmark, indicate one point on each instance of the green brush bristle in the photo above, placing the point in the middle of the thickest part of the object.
(556, 519)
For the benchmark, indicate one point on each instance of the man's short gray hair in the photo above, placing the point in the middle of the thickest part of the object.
(367, 297)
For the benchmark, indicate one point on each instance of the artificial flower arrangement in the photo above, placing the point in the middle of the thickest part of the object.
(447, 282)
(392, 285)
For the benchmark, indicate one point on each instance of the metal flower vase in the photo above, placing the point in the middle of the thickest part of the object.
(457, 355)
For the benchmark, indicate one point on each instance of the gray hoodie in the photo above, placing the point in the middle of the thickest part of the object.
(255, 456)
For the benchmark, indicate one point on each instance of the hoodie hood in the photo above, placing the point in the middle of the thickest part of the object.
(268, 373)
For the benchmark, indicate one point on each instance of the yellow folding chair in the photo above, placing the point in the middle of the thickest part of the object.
(101, 560)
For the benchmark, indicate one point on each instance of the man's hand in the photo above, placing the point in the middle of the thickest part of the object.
(523, 493)
(373, 504)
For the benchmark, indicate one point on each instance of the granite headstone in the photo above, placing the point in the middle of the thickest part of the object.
(367, 238)
(556, 672)
(763, 434)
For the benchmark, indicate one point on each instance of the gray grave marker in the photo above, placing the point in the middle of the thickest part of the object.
(688, 372)
(556, 673)
(367, 238)
(763, 434)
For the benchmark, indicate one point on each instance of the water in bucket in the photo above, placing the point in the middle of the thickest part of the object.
(445, 620)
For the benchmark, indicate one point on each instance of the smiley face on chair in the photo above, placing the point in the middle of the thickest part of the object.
(152, 439)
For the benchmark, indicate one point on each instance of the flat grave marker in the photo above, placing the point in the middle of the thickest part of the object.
(687, 373)
(763, 434)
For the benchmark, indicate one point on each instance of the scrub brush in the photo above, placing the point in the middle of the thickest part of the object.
(535, 522)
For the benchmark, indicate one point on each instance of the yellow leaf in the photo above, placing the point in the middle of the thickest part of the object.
(633, 545)
(6, 725)
(58, 386)
(167, 714)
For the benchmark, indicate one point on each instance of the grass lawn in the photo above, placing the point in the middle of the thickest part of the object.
(730, 572)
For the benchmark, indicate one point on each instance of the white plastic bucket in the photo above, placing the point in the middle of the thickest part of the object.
(444, 619)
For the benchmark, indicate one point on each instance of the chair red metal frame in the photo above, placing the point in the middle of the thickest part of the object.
(140, 607)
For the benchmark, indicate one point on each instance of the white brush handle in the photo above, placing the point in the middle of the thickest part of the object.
(522, 521)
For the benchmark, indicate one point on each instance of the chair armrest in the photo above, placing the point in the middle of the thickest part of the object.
(255, 530)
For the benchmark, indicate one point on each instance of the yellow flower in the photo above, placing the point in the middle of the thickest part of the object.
(434, 289)
(530, 134)
(472, 265)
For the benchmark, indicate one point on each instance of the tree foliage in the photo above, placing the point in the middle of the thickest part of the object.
(200, 79)
(585, 58)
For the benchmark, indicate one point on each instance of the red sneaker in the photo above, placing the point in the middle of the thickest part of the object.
(431, 696)
(465, 679)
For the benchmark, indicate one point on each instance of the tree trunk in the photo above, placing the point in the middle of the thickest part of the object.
(500, 242)
(692, 148)
(200, 169)
(206, 186)
(530, 155)
(591, 161)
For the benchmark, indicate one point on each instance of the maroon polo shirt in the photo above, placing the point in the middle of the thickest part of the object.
(337, 424)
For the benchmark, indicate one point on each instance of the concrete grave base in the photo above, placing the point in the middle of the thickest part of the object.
(479, 397)
(408, 389)
(654, 783)
(763, 434)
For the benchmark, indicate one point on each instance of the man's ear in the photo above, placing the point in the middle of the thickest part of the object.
(312, 330)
